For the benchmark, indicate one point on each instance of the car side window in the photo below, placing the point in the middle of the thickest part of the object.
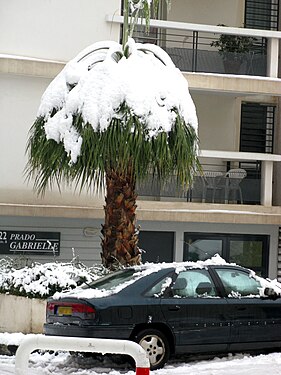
(159, 288)
(238, 283)
(194, 283)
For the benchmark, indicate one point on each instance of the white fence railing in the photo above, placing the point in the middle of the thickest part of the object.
(80, 344)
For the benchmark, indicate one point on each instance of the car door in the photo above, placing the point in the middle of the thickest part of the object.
(255, 320)
(196, 312)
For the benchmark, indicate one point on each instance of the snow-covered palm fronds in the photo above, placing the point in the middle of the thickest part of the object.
(111, 108)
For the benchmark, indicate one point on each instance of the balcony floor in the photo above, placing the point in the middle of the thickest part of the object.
(207, 212)
(150, 210)
(234, 84)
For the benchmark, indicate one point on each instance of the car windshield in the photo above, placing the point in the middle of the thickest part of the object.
(113, 279)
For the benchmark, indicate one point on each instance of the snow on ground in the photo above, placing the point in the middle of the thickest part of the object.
(64, 364)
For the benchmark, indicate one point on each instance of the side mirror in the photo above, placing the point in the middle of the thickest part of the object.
(271, 293)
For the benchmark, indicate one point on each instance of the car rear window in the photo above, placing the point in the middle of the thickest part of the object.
(113, 280)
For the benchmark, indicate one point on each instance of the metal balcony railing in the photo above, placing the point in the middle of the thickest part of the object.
(212, 186)
(193, 51)
(217, 184)
(190, 47)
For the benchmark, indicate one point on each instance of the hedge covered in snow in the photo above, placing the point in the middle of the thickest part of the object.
(43, 280)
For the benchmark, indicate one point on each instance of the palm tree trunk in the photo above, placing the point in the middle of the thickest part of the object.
(120, 239)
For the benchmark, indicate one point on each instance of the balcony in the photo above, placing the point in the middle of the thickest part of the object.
(189, 46)
(205, 67)
(256, 187)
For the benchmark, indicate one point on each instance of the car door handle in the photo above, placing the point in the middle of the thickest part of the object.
(174, 308)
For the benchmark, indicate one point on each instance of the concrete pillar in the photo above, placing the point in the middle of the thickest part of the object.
(272, 57)
(266, 183)
(178, 246)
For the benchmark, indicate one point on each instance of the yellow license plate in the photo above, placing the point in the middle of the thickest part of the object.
(64, 310)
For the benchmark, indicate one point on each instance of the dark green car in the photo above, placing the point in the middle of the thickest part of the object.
(174, 308)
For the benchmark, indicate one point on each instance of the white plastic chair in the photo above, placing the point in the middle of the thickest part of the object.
(210, 182)
(234, 178)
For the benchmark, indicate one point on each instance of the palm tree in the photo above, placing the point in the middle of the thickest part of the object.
(111, 117)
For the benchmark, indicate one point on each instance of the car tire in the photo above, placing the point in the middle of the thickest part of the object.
(156, 345)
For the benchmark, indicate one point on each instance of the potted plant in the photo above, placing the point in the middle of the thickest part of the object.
(233, 49)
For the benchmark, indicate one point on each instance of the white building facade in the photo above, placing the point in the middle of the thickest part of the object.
(237, 96)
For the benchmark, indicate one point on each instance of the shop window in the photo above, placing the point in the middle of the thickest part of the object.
(247, 250)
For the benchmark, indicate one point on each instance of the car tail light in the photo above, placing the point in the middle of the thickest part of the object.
(70, 309)
(50, 307)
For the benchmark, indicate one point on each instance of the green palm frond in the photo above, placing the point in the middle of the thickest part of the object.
(126, 145)
(122, 146)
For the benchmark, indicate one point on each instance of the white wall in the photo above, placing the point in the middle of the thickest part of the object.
(218, 123)
(228, 12)
(19, 101)
(48, 29)
(21, 314)
(54, 29)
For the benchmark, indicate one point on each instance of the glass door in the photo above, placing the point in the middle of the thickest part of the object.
(247, 250)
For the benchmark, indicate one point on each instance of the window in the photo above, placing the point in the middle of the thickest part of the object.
(194, 283)
(257, 128)
(248, 250)
(249, 253)
(261, 14)
(159, 288)
(112, 280)
(238, 283)
(256, 135)
(201, 248)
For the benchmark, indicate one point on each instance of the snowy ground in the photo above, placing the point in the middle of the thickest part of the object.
(65, 364)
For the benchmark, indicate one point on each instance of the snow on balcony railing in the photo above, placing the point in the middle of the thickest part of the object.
(189, 46)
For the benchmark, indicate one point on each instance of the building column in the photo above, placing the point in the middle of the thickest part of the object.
(266, 183)
(272, 57)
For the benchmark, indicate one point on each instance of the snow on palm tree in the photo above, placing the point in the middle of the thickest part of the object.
(115, 114)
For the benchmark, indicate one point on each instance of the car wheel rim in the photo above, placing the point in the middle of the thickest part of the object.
(154, 347)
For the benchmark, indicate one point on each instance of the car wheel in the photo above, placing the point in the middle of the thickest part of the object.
(156, 345)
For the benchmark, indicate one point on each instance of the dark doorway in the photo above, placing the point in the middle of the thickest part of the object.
(158, 246)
